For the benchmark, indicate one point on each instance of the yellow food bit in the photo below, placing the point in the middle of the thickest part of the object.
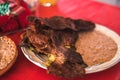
(51, 59)
(47, 63)
(31, 48)
(67, 46)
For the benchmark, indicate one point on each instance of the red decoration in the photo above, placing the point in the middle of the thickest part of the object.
(19, 12)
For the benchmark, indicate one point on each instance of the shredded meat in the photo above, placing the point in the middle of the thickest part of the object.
(57, 36)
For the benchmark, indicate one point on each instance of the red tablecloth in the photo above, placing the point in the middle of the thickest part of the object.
(97, 12)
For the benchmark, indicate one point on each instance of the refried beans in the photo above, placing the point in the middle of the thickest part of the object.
(95, 47)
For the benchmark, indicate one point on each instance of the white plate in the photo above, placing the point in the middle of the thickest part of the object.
(92, 69)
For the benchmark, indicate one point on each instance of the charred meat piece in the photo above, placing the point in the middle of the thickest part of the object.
(57, 23)
(56, 37)
(60, 23)
(65, 37)
(40, 42)
(68, 63)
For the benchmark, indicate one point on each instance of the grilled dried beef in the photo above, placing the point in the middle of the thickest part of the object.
(56, 36)
(61, 23)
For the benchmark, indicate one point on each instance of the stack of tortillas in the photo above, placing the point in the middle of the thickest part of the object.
(8, 54)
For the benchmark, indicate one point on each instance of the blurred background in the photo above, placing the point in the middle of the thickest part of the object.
(48, 3)
(63, 6)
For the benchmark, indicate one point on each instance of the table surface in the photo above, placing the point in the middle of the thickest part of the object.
(99, 13)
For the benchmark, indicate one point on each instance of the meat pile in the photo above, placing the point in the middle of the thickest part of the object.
(56, 37)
